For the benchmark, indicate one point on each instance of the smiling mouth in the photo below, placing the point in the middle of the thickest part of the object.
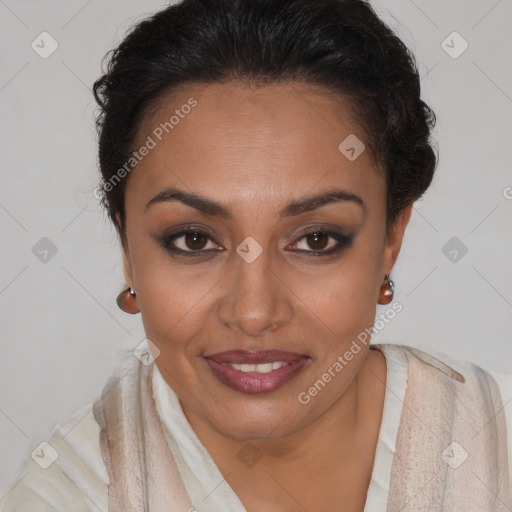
(258, 368)
(256, 372)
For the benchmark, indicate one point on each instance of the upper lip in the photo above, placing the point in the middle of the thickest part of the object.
(260, 357)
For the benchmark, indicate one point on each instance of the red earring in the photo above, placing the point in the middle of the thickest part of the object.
(126, 301)
(387, 290)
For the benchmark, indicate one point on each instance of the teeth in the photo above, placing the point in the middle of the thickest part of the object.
(258, 368)
(263, 368)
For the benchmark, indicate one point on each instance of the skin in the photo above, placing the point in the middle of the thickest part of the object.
(254, 150)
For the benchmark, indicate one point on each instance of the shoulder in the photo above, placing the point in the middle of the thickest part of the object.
(490, 384)
(504, 382)
(456, 368)
(496, 388)
(64, 473)
(435, 364)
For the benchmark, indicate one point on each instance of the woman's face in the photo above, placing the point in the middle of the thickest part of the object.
(266, 266)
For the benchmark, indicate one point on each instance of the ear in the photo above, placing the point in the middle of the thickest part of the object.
(394, 239)
(127, 267)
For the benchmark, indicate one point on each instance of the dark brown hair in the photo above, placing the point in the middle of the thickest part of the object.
(341, 45)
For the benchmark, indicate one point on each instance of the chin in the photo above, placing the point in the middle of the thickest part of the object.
(257, 423)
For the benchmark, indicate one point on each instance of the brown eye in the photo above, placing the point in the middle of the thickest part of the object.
(323, 243)
(317, 240)
(195, 240)
(190, 242)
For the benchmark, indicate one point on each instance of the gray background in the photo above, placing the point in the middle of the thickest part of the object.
(61, 328)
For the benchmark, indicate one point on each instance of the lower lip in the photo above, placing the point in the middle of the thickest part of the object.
(253, 382)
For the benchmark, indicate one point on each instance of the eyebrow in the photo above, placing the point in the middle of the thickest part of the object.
(292, 209)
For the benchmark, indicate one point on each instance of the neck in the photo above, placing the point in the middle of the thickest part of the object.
(338, 433)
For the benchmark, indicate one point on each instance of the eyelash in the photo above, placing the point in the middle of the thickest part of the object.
(344, 241)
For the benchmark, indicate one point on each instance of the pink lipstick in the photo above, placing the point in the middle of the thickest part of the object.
(255, 372)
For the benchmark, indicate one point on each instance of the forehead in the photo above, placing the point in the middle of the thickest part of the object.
(241, 141)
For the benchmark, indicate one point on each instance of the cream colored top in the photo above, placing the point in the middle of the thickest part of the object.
(70, 475)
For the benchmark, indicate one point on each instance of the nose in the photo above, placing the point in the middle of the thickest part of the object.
(257, 301)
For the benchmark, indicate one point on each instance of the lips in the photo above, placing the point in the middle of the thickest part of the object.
(255, 372)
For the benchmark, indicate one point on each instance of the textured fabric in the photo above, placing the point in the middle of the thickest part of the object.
(75, 482)
(448, 416)
(452, 441)
(209, 490)
(78, 481)
(396, 385)
(142, 471)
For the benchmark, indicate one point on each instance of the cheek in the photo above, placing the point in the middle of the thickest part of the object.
(343, 298)
(171, 311)
(338, 315)
(166, 290)
(173, 301)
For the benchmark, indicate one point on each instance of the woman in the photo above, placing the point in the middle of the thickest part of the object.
(259, 161)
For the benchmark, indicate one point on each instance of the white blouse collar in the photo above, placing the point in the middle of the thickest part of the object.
(208, 489)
